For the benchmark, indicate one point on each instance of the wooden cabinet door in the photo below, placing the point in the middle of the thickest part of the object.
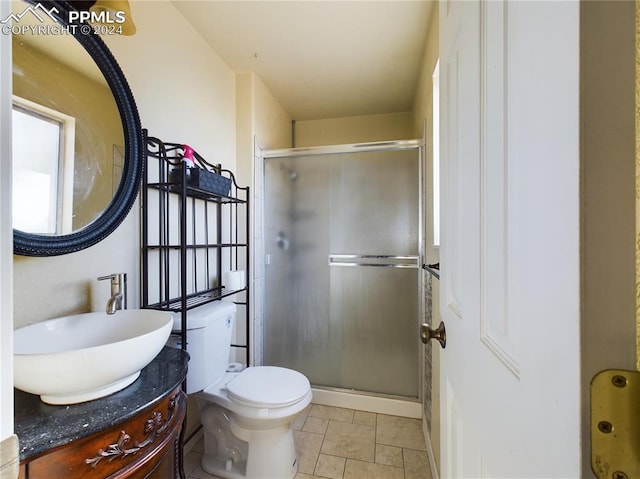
(145, 446)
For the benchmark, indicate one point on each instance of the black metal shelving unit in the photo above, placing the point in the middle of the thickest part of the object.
(190, 236)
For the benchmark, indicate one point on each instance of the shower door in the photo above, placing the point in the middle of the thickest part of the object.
(342, 236)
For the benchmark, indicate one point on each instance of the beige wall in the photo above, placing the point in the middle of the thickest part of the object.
(608, 194)
(244, 125)
(423, 124)
(355, 129)
(272, 123)
(181, 97)
(423, 120)
(260, 119)
(259, 115)
(185, 93)
(637, 146)
(422, 103)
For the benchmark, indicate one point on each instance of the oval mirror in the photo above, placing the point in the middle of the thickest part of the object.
(77, 140)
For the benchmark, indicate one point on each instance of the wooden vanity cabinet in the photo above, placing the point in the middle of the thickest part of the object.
(145, 446)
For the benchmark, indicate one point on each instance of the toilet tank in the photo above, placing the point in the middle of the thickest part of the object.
(209, 329)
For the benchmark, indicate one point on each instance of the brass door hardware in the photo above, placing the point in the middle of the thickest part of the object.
(427, 334)
(615, 422)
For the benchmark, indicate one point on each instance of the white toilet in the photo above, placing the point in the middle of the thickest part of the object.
(246, 416)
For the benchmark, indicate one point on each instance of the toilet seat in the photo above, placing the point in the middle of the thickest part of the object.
(268, 386)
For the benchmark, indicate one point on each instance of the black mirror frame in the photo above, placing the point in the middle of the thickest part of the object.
(30, 244)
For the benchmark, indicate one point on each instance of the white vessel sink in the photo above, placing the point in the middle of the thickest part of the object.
(78, 358)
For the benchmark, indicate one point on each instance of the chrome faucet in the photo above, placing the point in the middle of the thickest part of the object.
(118, 299)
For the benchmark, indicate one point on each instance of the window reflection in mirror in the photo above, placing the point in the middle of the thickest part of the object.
(55, 72)
(42, 170)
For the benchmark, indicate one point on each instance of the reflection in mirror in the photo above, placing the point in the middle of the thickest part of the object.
(59, 91)
(43, 169)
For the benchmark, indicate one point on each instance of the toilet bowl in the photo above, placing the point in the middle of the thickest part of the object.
(247, 419)
(247, 416)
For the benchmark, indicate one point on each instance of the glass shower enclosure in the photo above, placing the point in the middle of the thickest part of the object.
(342, 237)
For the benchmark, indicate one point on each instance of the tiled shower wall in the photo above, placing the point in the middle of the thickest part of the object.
(427, 353)
(430, 371)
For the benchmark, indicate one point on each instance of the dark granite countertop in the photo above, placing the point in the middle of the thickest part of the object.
(41, 426)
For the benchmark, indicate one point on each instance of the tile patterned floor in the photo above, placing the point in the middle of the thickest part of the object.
(338, 443)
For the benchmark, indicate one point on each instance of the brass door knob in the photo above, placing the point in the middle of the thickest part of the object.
(427, 334)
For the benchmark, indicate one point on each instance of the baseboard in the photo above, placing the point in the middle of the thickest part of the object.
(369, 403)
(193, 440)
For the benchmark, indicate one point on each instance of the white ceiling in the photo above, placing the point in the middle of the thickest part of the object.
(321, 59)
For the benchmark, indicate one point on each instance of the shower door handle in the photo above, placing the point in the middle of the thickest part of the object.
(427, 334)
(374, 260)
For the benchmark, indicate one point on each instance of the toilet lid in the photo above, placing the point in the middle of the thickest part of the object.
(268, 386)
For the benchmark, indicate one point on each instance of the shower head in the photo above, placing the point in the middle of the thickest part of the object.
(282, 241)
(292, 174)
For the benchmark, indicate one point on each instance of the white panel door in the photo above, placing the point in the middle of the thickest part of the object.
(6, 238)
(510, 249)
